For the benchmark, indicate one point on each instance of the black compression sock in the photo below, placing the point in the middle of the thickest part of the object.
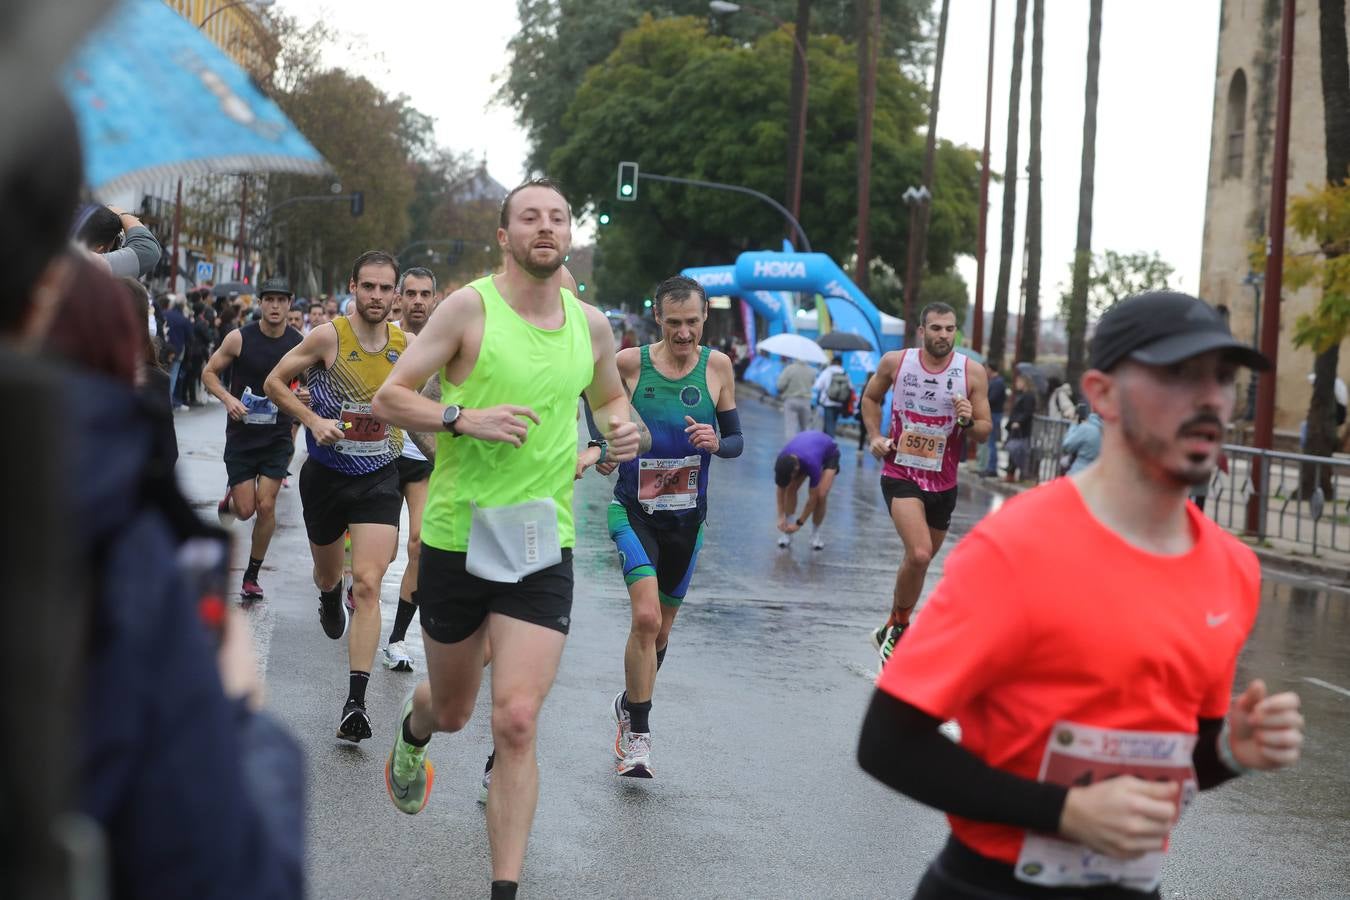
(637, 715)
(402, 619)
(251, 573)
(504, 890)
(408, 735)
(661, 656)
(357, 689)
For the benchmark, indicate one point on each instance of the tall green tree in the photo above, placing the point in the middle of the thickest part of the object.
(998, 330)
(1112, 276)
(1082, 259)
(560, 40)
(1029, 329)
(684, 102)
(370, 140)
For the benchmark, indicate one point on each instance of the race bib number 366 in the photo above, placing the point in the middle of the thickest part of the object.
(365, 434)
(1080, 756)
(668, 483)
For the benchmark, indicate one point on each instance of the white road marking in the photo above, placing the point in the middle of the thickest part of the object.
(1328, 685)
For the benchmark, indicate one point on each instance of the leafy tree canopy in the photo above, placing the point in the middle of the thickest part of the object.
(684, 102)
(1113, 276)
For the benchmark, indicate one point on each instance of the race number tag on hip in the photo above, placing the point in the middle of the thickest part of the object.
(1081, 755)
(506, 543)
(921, 447)
(260, 410)
(668, 483)
(365, 434)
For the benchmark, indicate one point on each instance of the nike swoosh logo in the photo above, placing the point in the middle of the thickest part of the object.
(1214, 621)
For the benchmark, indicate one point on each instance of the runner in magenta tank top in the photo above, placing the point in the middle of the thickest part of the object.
(928, 443)
(939, 401)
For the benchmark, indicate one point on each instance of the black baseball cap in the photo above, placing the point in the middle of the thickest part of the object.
(275, 286)
(1162, 328)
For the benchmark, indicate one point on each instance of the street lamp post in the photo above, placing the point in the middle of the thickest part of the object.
(794, 198)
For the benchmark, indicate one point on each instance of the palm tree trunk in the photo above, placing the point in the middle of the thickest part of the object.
(1082, 259)
(1336, 102)
(1030, 327)
(869, 35)
(919, 212)
(797, 103)
(998, 331)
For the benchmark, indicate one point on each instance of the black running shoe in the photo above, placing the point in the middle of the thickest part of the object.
(333, 616)
(355, 724)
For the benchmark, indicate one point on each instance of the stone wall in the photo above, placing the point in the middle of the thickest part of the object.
(1237, 205)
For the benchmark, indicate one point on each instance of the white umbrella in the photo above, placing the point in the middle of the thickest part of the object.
(795, 346)
(1342, 395)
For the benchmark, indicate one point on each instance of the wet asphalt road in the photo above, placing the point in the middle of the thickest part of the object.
(755, 722)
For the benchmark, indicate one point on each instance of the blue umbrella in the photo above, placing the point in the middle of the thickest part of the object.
(156, 100)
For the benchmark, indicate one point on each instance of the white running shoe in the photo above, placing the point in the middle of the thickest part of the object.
(817, 543)
(396, 657)
(487, 779)
(785, 540)
(637, 762)
(621, 720)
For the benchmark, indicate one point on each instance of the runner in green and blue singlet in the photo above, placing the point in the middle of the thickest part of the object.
(656, 518)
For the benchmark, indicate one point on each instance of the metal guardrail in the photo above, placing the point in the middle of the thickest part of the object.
(1305, 500)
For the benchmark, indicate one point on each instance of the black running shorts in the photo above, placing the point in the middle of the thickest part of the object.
(270, 461)
(452, 604)
(411, 471)
(937, 505)
(332, 501)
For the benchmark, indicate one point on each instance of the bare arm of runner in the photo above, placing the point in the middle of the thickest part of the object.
(623, 429)
(975, 406)
(874, 394)
(426, 440)
(725, 440)
(399, 401)
(316, 349)
(222, 359)
(629, 363)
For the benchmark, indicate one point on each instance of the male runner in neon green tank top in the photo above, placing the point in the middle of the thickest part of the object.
(514, 352)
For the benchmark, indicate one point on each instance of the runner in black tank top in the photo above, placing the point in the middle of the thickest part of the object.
(258, 439)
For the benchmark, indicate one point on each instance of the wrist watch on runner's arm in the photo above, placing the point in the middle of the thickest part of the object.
(449, 417)
(964, 422)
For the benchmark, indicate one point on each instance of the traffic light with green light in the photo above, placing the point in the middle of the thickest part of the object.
(581, 287)
(628, 181)
(602, 214)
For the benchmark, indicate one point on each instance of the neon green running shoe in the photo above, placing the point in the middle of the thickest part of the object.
(408, 775)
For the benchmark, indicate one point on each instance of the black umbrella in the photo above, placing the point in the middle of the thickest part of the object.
(232, 287)
(843, 340)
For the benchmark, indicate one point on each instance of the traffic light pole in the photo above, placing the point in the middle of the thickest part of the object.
(738, 189)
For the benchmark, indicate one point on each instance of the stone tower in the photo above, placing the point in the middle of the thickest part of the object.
(1241, 156)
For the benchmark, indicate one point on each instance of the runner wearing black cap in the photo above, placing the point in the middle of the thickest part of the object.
(1090, 716)
(258, 437)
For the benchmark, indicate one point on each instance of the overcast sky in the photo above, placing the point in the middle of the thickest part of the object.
(1153, 124)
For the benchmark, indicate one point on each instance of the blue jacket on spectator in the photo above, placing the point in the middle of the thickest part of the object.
(196, 795)
(177, 329)
(1084, 442)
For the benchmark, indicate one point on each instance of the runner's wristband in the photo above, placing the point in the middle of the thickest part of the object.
(604, 449)
(1226, 751)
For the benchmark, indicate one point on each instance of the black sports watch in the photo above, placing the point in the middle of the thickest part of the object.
(964, 423)
(449, 417)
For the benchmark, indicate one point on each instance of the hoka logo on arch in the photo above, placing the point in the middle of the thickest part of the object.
(778, 268)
